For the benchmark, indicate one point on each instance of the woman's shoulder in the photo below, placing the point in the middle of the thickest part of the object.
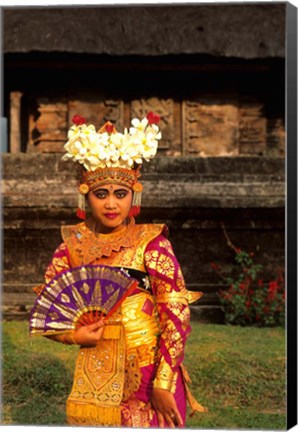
(152, 229)
(156, 236)
(140, 235)
(70, 230)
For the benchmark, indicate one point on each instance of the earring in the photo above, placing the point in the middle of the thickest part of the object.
(136, 200)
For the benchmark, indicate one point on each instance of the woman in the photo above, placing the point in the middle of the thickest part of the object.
(129, 369)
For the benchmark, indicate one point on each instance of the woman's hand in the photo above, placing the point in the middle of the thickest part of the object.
(89, 335)
(166, 409)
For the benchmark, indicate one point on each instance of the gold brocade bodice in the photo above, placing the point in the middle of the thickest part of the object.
(124, 248)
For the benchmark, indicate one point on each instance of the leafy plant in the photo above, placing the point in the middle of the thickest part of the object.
(248, 300)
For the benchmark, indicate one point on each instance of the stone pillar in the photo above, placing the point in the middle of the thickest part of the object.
(15, 122)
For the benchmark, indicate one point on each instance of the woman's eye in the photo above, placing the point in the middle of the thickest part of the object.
(121, 194)
(100, 195)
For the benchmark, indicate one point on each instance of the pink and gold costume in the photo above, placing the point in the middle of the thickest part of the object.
(143, 342)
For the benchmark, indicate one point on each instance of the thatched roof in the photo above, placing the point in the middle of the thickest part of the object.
(230, 30)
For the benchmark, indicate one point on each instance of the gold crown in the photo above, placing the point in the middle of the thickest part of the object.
(91, 180)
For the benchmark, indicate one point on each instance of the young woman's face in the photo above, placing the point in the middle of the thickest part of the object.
(110, 205)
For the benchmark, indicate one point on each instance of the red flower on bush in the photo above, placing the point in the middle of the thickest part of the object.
(78, 120)
(153, 118)
(272, 289)
(248, 300)
(272, 286)
(242, 286)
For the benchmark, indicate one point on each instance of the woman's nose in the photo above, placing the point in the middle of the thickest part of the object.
(110, 202)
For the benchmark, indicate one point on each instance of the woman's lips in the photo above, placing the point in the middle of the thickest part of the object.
(111, 215)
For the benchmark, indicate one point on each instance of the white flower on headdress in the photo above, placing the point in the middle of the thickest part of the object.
(99, 150)
(138, 125)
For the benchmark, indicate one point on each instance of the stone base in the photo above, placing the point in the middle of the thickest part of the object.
(207, 314)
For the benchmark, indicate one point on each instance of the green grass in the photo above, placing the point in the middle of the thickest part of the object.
(237, 373)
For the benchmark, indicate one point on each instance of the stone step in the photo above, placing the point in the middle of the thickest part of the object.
(207, 314)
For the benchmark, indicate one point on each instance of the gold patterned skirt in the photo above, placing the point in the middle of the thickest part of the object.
(108, 376)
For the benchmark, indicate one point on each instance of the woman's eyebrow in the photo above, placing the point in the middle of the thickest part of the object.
(100, 190)
(107, 190)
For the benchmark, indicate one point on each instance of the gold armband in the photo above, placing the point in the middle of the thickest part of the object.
(164, 377)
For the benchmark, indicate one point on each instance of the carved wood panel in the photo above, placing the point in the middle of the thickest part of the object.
(206, 125)
(165, 109)
(252, 126)
(48, 127)
(97, 111)
(276, 137)
(210, 126)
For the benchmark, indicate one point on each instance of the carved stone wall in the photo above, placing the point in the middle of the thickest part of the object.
(208, 125)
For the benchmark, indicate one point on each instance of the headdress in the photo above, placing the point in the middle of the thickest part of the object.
(107, 156)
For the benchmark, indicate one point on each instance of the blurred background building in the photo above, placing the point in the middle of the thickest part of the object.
(214, 73)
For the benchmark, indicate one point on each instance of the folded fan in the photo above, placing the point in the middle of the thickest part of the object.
(79, 296)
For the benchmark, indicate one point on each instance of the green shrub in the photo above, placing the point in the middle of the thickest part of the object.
(248, 300)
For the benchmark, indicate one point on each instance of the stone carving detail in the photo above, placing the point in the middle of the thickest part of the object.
(252, 127)
(275, 137)
(97, 111)
(204, 126)
(165, 109)
(48, 131)
(210, 126)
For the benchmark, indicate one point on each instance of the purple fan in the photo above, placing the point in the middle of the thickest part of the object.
(79, 296)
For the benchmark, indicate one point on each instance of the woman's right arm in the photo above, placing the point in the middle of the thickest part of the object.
(59, 263)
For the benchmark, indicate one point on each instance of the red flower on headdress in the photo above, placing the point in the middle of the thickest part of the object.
(78, 120)
(109, 128)
(153, 118)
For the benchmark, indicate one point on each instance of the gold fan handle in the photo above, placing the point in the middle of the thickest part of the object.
(88, 318)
